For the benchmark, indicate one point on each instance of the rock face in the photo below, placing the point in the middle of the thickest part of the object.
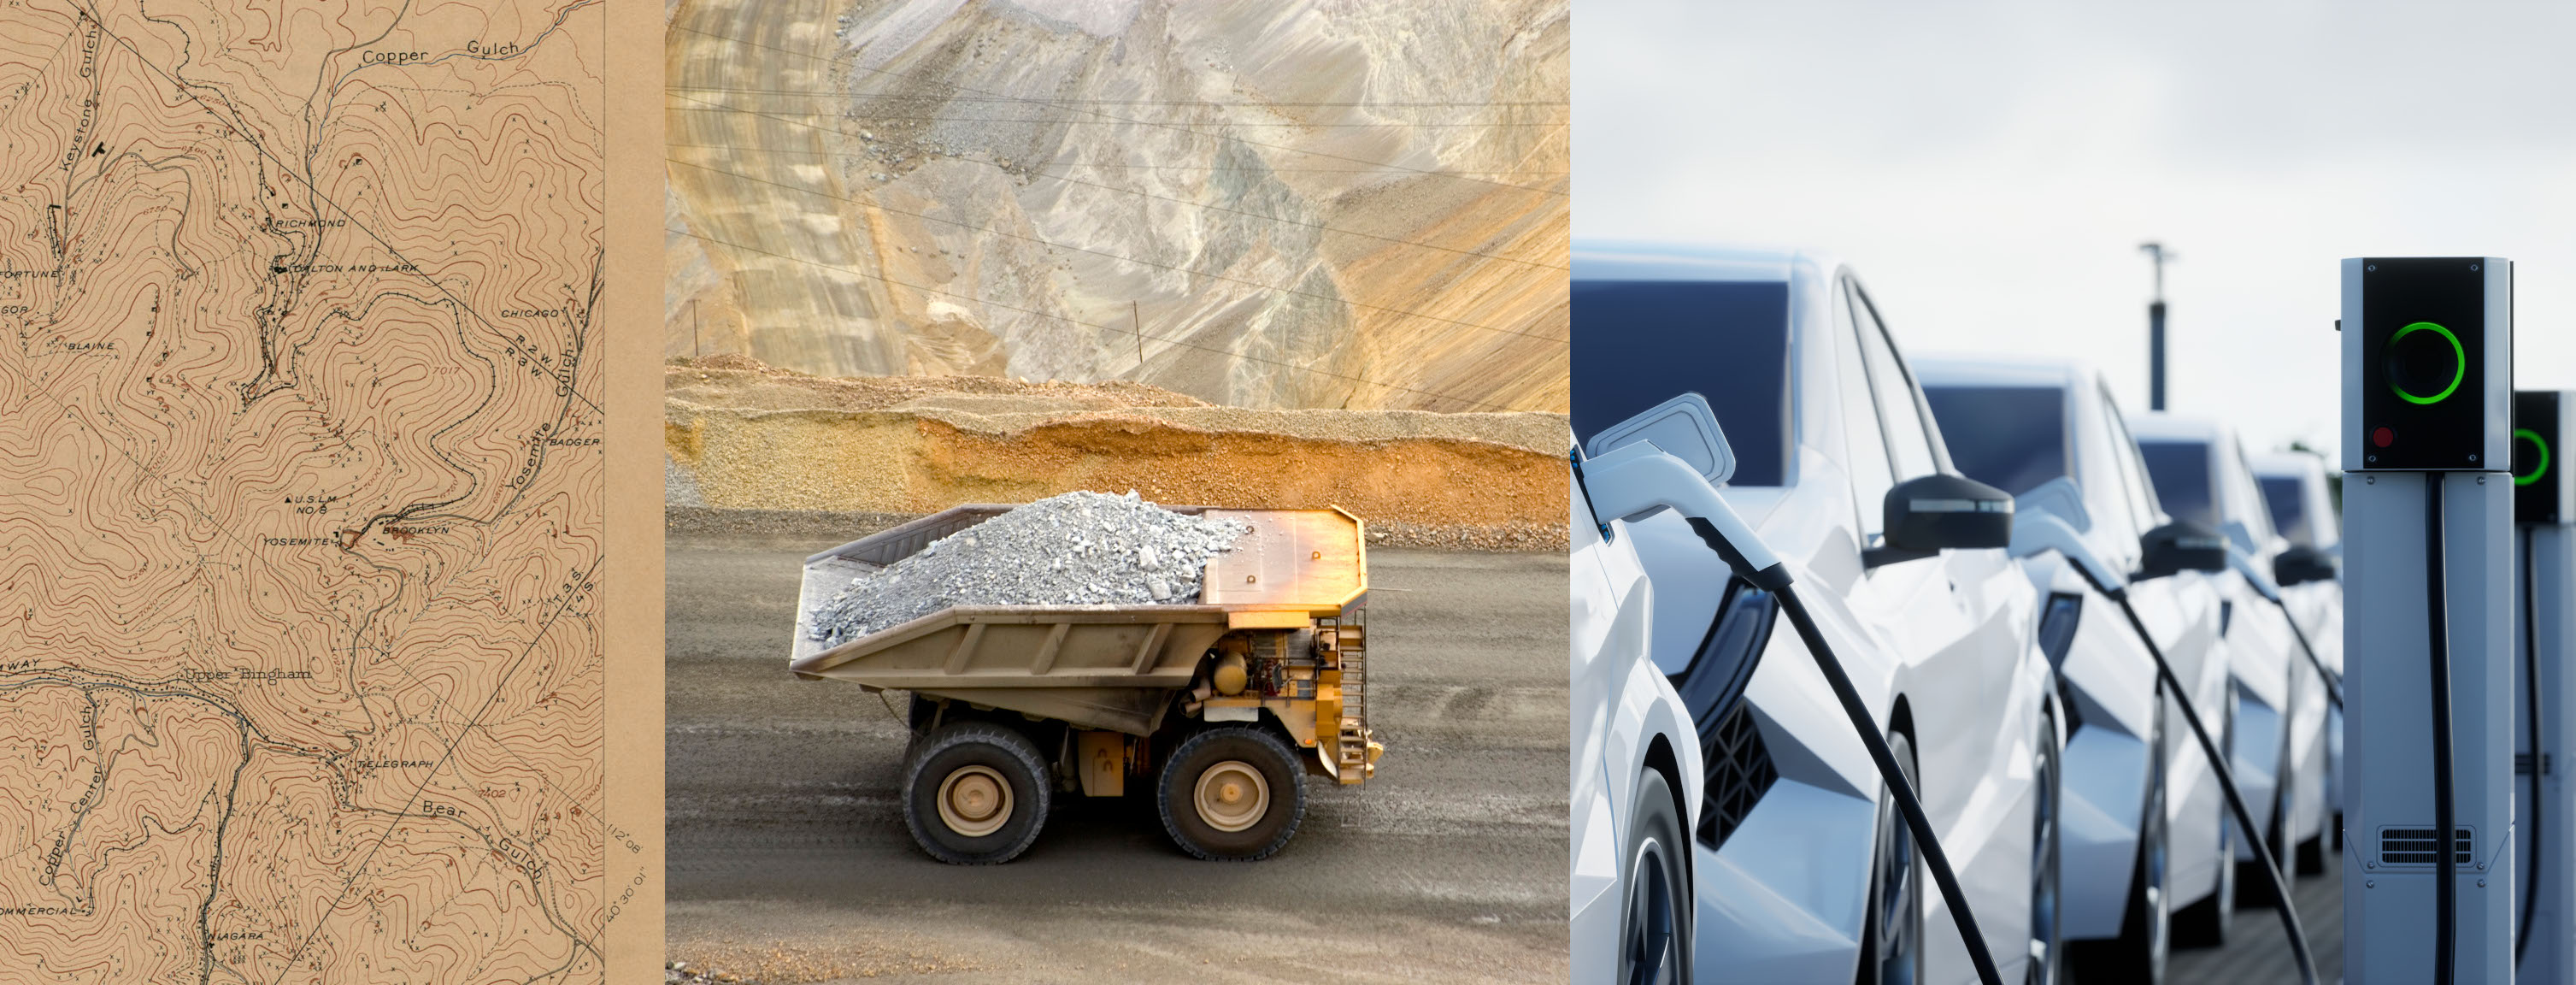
(1257, 203)
(1080, 548)
(740, 436)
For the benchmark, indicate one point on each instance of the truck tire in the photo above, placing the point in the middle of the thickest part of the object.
(1233, 793)
(975, 793)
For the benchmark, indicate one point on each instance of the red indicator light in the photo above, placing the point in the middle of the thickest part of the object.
(2383, 437)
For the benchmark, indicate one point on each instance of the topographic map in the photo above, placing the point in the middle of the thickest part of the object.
(301, 492)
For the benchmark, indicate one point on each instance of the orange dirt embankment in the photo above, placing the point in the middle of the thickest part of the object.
(763, 439)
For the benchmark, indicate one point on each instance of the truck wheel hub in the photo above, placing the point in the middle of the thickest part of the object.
(1232, 796)
(975, 801)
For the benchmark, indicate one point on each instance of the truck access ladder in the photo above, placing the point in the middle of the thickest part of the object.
(1352, 759)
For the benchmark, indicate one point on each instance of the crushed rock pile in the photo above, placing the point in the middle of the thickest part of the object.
(682, 973)
(1079, 548)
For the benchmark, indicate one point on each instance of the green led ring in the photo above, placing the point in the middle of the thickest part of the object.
(2543, 469)
(2460, 363)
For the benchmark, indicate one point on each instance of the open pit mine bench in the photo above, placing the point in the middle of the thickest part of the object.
(1218, 709)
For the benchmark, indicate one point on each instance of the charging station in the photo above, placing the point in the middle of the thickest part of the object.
(2544, 513)
(2428, 615)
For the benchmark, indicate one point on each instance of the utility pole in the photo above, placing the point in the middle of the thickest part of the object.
(2156, 329)
(1136, 318)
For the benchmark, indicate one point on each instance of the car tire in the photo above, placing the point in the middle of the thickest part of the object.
(1233, 793)
(1892, 933)
(2047, 938)
(975, 793)
(2251, 889)
(2139, 955)
(1654, 920)
(2312, 856)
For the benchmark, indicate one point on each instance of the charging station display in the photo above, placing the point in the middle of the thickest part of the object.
(2544, 507)
(2427, 363)
(2428, 615)
(2539, 475)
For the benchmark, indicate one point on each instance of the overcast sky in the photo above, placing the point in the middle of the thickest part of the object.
(1989, 169)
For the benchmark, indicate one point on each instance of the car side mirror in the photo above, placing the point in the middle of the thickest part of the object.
(2301, 564)
(2181, 546)
(1927, 515)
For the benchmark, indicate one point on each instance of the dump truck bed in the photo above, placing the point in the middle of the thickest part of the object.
(1099, 666)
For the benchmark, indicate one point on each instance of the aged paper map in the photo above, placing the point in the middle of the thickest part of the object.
(301, 492)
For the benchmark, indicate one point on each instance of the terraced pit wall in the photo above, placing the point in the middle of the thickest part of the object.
(1493, 481)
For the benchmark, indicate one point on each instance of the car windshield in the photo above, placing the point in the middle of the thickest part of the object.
(2011, 438)
(2180, 470)
(1639, 343)
(2289, 508)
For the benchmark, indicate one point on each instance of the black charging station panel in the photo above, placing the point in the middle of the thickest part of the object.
(2424, 325)
(2540, 477)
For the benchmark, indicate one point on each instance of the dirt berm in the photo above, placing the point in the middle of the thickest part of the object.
(745, 437)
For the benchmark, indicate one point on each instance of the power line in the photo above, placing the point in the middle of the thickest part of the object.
(1058, 105)
(1245, 104)
(819, 193)
(1204, 205)
(1121, 167)
(1059, 121)
(873, 275)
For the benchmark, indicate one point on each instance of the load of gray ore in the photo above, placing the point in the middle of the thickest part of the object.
(1080, 548)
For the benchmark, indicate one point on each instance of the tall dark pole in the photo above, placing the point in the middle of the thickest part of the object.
(2156, 329)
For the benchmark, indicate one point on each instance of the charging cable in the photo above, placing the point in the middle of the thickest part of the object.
(2038, 531)
(2334, 681)
(2437, 612)
(1641, 480)
(2227, 785)
(1776, 580)
(2531, 721)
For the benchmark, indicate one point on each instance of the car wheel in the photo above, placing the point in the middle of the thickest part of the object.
(2046, 956)
(2312, 856)
(2138, 955)
(1654, 922)
(2205, 923)
(2251, 889)
(1233, 793)
(1892, 937)
(975, 793)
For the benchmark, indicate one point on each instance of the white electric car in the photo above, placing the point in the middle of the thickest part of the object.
(2143, 833)
(2303, 510)
(1636, 773)
(1800, 870)
(2279, 749)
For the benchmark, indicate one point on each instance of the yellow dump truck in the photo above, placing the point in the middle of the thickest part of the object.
(1217, 709)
